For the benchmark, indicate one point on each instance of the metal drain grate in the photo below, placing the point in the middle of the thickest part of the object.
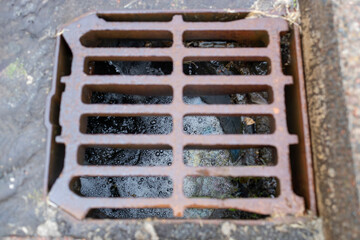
(67, 136)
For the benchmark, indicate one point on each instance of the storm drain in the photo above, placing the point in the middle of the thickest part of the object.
(146, 108)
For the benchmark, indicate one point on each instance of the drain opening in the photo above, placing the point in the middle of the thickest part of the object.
(167, 17)
(130, 17)
(212, 125)
(118, 39)
(285, 41)
(228, 94)
(225, 39)
(57, 150)
(221, 213)
(130, 213)
(245, 156)
(166, 213)
(213, 17)
(123, 187)
(217, 66)
(120, 156)
(125, 94)
(126, 125)
(120, 67)
(195, 157)
(230, 187)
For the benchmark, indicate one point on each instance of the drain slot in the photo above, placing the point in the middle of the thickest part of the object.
(166, 213)
(221, 66)
(229, 187)
(119, 67)
(211, 125)
(126, 125)
(221, 213)
(130, 213)
(127, 94)
(121, 156)
(123, 187)
(225, 39)
(131, 17)
(120, 39)
(244, 156)
(228, 94)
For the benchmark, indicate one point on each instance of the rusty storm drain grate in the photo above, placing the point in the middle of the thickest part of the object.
(178, 114)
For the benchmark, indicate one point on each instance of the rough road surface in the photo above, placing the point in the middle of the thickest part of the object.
(28, 30)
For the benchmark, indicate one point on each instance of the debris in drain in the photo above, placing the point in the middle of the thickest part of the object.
(214, 67)
(129, 125)
(130, 213)
(127, 157)
(285, 52)
(113, 43)
(249, 121)
(193, 186)
(125, 187)
(130, 67)
(114, 67)
(213, 44)
(230, 187)
(243, 43)
(118, 98)
(161, 213)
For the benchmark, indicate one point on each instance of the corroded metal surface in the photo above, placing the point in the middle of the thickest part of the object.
(72, 109)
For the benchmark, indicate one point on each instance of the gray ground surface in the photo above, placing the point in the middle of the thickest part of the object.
(331, 66)
(347, 20)
(27, 30)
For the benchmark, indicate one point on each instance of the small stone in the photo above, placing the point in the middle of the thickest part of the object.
(30, 80)
(227, 228)
(331, 172)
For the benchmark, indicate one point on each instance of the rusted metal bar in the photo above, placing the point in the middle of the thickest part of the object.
(72, 109)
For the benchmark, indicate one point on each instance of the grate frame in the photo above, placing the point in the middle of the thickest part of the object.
(71, 108)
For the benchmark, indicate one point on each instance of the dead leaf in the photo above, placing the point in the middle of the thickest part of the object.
(249, 121)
